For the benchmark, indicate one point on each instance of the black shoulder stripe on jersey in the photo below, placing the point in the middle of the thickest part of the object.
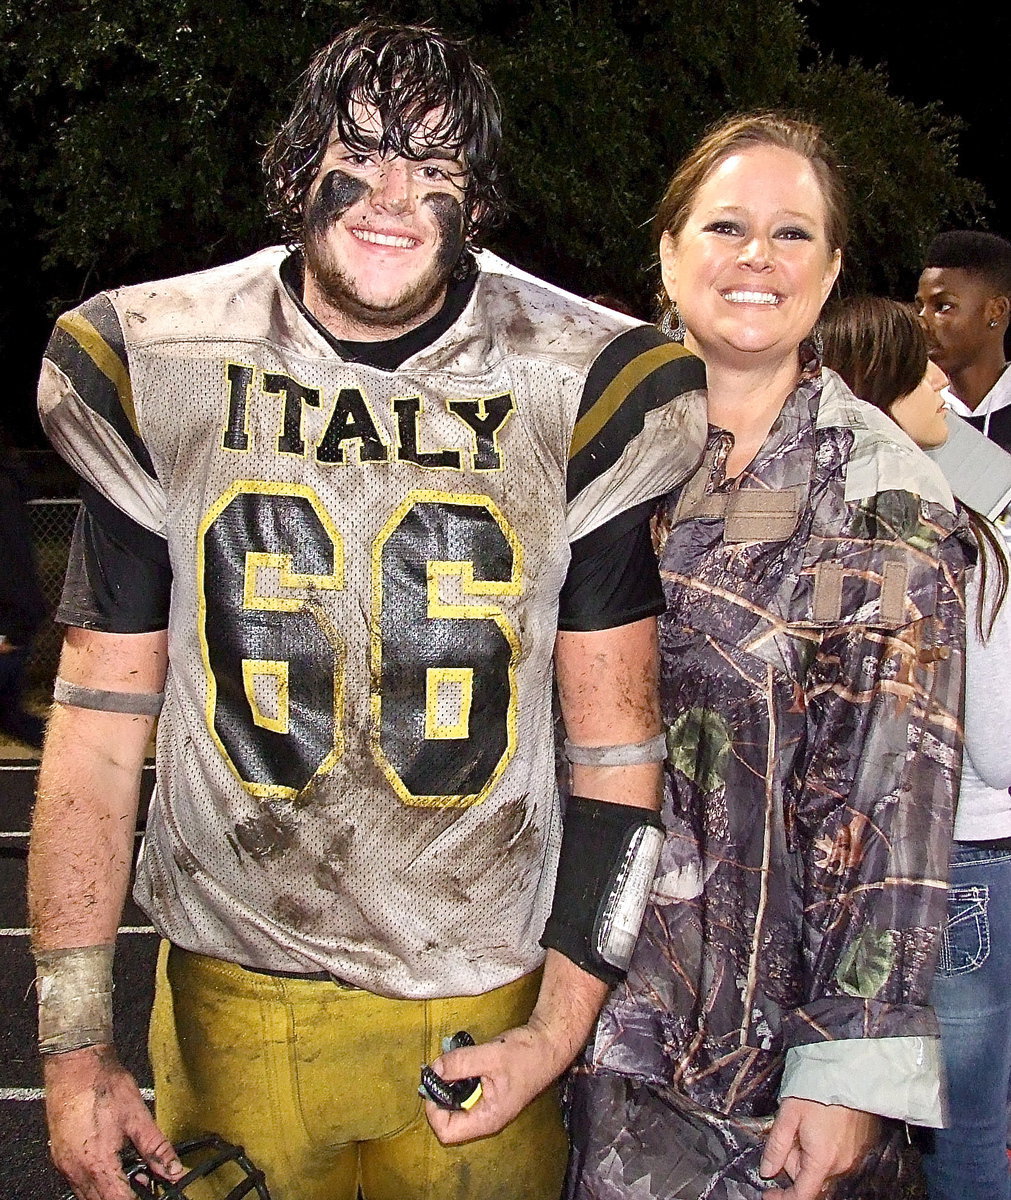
(639, 371)
(89, 348)
(123, 529)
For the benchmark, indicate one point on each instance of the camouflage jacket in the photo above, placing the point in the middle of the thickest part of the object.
(811, 673)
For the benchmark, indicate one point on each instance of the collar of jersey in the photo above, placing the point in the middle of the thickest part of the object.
(392, 353)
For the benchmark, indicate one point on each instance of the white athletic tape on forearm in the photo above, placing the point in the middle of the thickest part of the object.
(617, 928)
(138, 704)
(630, 754)
(75, 998)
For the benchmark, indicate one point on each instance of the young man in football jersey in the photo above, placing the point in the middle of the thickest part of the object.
(344, 506)
(964, 299)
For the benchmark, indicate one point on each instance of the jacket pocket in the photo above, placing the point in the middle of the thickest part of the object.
(965, 942)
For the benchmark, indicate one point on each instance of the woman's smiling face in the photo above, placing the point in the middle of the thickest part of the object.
(752, 266)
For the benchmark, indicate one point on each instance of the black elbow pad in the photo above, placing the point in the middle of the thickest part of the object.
(605, 873)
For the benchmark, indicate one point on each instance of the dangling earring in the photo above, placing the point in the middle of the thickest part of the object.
(672, 325)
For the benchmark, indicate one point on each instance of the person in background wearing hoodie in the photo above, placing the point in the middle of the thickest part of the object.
(963, 301)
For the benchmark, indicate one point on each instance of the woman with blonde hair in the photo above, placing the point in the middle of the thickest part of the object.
(775, 1025)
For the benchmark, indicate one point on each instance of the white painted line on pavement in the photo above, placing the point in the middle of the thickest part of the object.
(122, 929)
(10, 834)
(39, 1094)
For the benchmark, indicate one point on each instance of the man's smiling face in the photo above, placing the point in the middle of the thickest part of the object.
(383, 232)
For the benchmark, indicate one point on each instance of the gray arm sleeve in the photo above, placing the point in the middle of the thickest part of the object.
(893, 1077)
(141, 704)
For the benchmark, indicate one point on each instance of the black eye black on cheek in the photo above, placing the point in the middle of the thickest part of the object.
(337, 193)
(449, 216)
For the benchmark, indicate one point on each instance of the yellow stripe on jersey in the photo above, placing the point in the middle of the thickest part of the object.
(618, 390)
(104, 357)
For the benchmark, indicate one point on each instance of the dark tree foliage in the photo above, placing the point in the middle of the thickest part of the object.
(131, 133)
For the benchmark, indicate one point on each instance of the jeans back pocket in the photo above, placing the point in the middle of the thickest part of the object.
(965, 942)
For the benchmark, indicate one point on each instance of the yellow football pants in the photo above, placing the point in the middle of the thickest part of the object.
(319, 1083)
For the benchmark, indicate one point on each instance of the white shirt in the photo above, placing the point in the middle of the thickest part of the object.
(998, 397)
(984, 806)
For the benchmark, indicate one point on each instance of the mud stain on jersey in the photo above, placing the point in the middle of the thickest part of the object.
(516, 831)
(265, 837)
(293, 913)
(328, 876)
(186, 863)
(519, 326)
(520, 840)
(330, 869)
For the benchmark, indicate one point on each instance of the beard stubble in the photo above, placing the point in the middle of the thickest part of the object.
(337, 194)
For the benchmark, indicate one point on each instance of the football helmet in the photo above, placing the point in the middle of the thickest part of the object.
(228, 1170)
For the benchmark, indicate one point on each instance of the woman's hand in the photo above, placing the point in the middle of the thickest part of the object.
(813, 1143)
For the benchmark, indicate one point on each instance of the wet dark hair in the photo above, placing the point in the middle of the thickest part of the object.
(405, 73)
(982, 254)
(879, 348)
(739, 133)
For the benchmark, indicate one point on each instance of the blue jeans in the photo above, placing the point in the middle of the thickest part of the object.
(972, 996)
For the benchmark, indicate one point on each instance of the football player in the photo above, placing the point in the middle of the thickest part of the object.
(345, 503)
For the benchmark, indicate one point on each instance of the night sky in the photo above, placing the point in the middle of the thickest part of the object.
(957, 53)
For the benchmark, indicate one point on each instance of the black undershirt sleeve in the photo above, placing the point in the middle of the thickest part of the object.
(118, 575)
(613, 577)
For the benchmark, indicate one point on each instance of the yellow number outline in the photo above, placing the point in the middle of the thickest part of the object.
(435, 607)
(255, 561)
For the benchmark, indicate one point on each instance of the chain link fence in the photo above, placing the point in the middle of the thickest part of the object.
(51, 523)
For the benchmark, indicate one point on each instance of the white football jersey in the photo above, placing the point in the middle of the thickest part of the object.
(355, 766)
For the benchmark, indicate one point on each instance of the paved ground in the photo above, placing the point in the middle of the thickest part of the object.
(25, 1171)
